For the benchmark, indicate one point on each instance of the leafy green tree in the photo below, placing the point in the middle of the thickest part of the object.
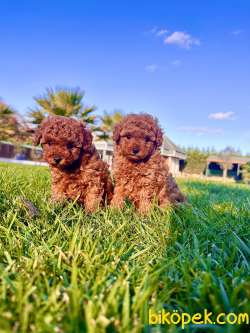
(62, 102)
(108, 121)
(246, 173)
(230, 151)
(196, 161)
(12, 126)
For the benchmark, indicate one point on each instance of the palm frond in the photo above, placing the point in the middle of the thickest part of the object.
(108, 121)
(65, 102)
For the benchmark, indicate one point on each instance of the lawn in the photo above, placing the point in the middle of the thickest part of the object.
(65, 271)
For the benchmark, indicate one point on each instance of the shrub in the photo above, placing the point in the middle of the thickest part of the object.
(246, 173)
(196, 161)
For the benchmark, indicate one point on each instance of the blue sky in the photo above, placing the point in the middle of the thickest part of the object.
(186, 62)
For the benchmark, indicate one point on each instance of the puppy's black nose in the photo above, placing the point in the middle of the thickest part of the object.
(136, 150)
(57, 159)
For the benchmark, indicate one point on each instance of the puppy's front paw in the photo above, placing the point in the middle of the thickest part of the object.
(144, 208)
(117, 202)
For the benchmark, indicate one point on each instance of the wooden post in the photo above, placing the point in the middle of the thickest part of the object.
(238, 170)
(104, 156)
(207, 169)
(224, 171)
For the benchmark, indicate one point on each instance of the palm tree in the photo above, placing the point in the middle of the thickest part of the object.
(8, 122)
(87, 116)
(62, 102)
(108, 121)
(12, 126)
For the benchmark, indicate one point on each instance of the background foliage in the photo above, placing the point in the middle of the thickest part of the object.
(196, 161)
(246, 173)
(69, 102)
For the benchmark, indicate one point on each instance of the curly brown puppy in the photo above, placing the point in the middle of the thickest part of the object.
(140, 172)
(77, 170)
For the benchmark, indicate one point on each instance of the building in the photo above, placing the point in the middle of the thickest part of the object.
(175, 157)
(226, 166)
(9, 150)
(105, 150)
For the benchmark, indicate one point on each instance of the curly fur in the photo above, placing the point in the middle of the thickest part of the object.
(78, 173)
(141, 173)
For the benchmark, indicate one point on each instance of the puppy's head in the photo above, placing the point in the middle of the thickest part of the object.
(63, 140)
(138, 136)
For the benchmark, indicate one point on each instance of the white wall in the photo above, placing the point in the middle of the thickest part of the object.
(174, 165)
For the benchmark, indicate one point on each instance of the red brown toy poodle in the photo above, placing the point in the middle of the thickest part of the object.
(140, 172)
(78, 173)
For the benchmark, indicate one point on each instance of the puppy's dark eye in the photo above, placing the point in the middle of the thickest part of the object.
(147, 138)
(49, 143)
(70, 146)
(128, 136)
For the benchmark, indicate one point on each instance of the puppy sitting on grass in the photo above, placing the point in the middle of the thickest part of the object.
(140, 172)
(78, 173)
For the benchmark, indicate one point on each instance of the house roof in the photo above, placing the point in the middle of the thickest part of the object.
(228, 159)
(169, 148)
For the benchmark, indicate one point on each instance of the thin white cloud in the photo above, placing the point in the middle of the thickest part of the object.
(201, 130)
(161, 32)
(246, 135)
(151, 68)
(222, 116)
(153, 30)
(158, 32)
(245, 138)
(182, 39)
(237, 32)
(176, 62)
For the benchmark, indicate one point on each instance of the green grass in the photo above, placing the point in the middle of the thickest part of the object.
(65, 271)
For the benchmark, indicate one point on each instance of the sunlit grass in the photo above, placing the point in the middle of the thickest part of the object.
(65, 271)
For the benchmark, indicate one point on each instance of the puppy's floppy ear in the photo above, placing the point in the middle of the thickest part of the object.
(116, 132)
(159, 136)
(87, 137)
(37, 138)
